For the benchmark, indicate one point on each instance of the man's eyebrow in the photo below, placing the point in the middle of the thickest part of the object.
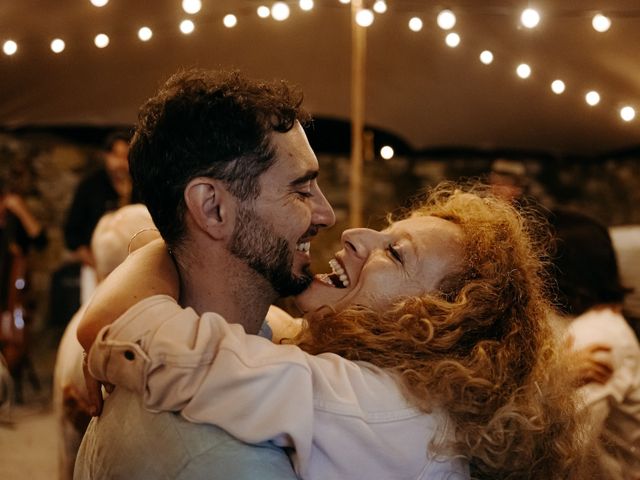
(307, 177)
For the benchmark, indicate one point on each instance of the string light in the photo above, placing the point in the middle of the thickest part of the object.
(191, 6)
(365, 17)
(530, 18)
(101, 40)
(230, 20)
(306, 5)
(627, 113)
(592, 98)
(99, 3)
(280, 11)
(57, 45)
(187, 27)
(446, 20)
(9, 47)
(452, 40)
(145, 34)
(263, 12)
(415, 24)
(558, 87)
(380, 6)
(387, 152)
(486, 57)
(523, 70)
(601, 23)
(345, 2)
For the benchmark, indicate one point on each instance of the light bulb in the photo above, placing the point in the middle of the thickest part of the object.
(446, 20)
(592, 98)
(364, 17)
(9, 47)
(558, 87)
(306, 5)
(280, 11)
(530, 18)
(263, 12)
(627, 113)
(187, 27)
(57, 45)
(191, 6)
(380, 6)
(230, 20)
(415, 24)
(99, 3)
(601, 23)
(486, 57)
(101, 40)
(145, 34)
(387, 152)
(452, 40)
(523, 70)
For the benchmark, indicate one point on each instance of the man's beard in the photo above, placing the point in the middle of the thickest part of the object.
(255, 242)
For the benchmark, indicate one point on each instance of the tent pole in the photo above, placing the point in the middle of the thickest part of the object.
(358, 58)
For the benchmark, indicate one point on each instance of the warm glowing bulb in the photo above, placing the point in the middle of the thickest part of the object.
(452, 40)
(57, 45)
(446, 19)
(344, 2)
(99, 3)
(592, 98)
(380, 6)
(486, 57)
(9, 47)
(101, 40)
(364, 17)
(601, 23)
(627, 113)
(191, 6)
(415, 24)
(145, 34)
(230, 21)
(187, 27)
(386, 152)
(523, 70)
(558, 87)
(306, 5)
(263, 12)
(280, 11)
(530, 18)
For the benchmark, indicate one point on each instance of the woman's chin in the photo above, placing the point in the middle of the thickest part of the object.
(319, 294)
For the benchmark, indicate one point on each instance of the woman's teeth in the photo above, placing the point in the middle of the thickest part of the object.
(304, 247)
(339, 277)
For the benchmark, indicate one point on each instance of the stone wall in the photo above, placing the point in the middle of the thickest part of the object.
(46, 168)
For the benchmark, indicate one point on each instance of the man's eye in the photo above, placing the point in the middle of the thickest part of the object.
(304, 194)
(394, 253)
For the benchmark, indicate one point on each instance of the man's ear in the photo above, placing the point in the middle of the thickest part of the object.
(211, 206)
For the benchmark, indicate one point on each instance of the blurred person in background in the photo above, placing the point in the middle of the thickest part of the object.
(106, 189)
(590, 297)
(110, 246)
(19, 231)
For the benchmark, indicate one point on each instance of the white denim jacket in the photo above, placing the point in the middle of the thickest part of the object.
(342, 419)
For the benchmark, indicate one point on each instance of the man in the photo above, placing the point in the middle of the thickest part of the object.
(230, 180)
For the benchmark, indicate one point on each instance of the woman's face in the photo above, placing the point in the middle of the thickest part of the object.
(373, 268)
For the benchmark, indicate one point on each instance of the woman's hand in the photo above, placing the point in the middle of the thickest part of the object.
(592, 364)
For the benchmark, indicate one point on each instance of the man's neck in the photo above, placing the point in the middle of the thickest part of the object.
(220, 283)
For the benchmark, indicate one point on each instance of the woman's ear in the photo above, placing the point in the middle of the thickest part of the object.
(211, 206)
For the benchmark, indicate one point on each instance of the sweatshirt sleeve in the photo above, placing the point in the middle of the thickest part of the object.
(211, 371)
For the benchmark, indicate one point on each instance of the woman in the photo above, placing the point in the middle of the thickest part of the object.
(436, 346)
(590, 297)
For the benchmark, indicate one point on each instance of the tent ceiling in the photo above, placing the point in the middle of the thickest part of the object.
(417, 87)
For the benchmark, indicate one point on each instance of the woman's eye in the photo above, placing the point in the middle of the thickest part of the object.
(394, 253)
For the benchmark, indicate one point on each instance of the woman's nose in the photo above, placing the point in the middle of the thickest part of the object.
(361, 241)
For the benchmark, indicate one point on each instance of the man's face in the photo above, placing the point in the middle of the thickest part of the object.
(117, 160)
(273, 233)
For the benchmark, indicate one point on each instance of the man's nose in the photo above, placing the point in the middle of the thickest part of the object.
(361, 241)
(323, 215)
